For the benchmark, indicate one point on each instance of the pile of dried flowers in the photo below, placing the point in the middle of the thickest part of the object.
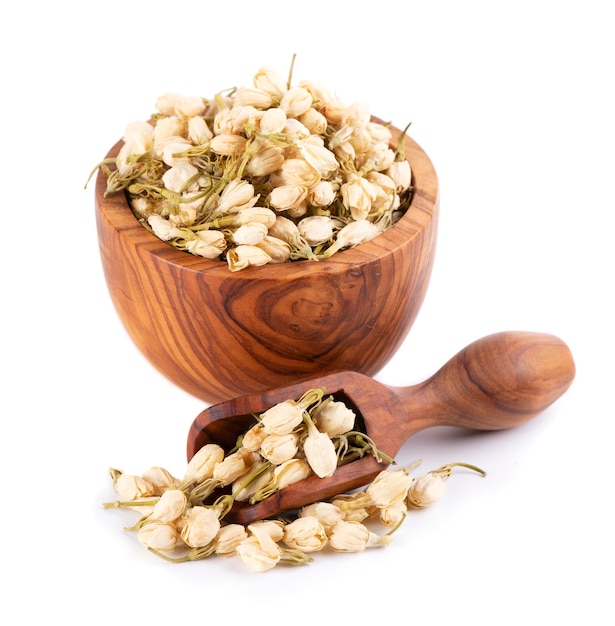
(288, 442)
(262, 174)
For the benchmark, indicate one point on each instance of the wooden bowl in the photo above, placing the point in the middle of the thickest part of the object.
(219, 334)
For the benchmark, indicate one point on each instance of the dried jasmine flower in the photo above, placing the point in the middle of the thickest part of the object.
(184, 520)
(294, 150)
(431, 486)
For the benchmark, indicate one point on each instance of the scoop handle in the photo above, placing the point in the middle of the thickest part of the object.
(497, 382)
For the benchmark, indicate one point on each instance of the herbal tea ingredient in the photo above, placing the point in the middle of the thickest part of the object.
(182, 519)
(263, 174)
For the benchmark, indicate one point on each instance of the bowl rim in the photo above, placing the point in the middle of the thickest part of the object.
(423, 208)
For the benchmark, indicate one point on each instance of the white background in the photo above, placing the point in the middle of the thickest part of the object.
(513, 103)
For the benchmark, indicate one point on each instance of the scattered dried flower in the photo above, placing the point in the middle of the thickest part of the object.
(430, 487)
(201, 526)
(306, 534)
(355, 537)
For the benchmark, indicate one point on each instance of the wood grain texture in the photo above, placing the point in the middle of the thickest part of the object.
(218, 334)
(500, 381)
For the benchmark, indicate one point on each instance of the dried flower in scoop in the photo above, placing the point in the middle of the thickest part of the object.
(279, 448)
(334, 418)
(201, 465)
(319, 451)
(284, 417)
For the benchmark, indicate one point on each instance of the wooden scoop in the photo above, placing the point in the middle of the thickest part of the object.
(497, 382)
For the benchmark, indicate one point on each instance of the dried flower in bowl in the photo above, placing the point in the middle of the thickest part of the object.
(215, 177)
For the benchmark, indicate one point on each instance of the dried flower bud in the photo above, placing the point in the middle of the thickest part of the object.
(199, 132)
(401, 174)
(326, 513)
(258, 559)
(385, 189)
(278, 250)
(282, 418)
(201, 465)
(295, 130)
(267, 160)
(245, 256)
(320, 453)
(279, 448)
(291, 472)
(236, 196)
(268, 80)
(267, 531)
(273, 121)
(168, 128)
(286, 197)
(426, 490)
(254, 214)
(379, 133)
(244, 96)
(138, 138)
(353, 506)
(299, 172)
(333, 110)
(316, 229)
(296, 101)
(393, 514)
(201, 526)
(244, 488)
(380, 157)
(356, 115)
(314, 121)
(228, 145)
(166, 103)
(172, 151)
(158, 536)
(189, 106)
(228, 538)
(251, 233)
(358, 195)
(320, 94)
(177, 177)
(318, 156)
(130, 487)
(353, 234)
(306, 534)
(170, 506)
(233, 466)
(322, 194)
(354, 537)
(388, 487)
(208, 244)
(163, 229)
(430, 487)
(253, 438)
(160, 478)
(335, 418)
